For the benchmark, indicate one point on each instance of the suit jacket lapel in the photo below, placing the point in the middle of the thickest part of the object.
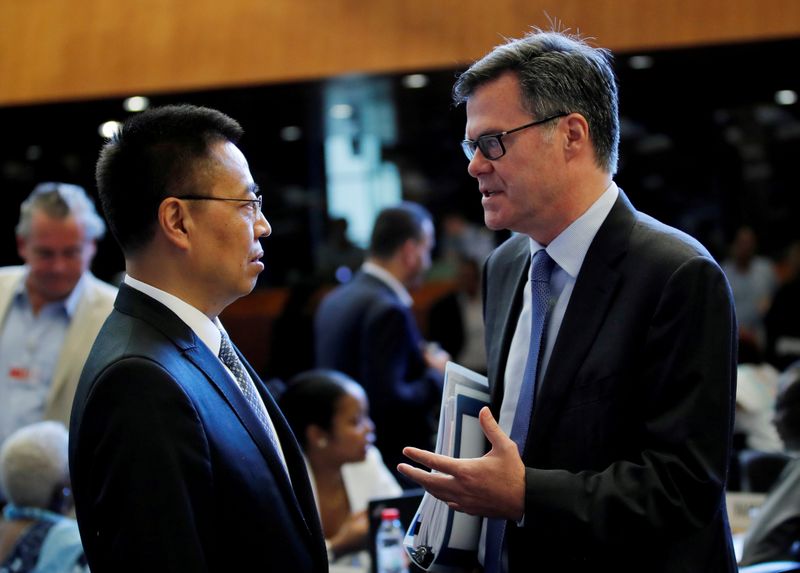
(74, 339)
(8, 286)
(511, 278)
(131, 301)
(298, 484)
(591, 299)
(295, 463)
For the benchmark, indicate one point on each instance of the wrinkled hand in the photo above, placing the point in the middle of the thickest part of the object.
(489, 486)
(352, 535)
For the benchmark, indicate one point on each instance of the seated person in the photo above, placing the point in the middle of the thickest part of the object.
(328, 413)
(35, 534)
(756, 390)
(774, 534)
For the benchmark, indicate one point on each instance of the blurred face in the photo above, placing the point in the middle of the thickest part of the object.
(226, 249)
(744, 246)
(420, 256)
(351, 428)
(521, 189)
(57, 253)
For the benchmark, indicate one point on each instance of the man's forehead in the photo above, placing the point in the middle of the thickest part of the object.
(46, 227)
(494, 104)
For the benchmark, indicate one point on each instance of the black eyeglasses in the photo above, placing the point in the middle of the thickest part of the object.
(491, 145)
(255, 204)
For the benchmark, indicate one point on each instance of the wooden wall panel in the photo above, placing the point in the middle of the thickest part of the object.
(65, 49)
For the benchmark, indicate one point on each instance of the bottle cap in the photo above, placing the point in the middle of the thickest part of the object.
(390, 513)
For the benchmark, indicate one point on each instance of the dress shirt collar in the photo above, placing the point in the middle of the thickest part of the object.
(206, 329)
(389, 279)
(569, 248)
(69, 304)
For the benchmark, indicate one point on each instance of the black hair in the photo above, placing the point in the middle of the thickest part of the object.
(156, 154)
(311, 398)
(395, 225)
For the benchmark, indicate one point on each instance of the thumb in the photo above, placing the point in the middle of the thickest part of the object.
(490, 428)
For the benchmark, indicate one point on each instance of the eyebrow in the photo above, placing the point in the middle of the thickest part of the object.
(485, 132)
(254, 189)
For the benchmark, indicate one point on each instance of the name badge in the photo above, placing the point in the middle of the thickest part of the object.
(19, 374)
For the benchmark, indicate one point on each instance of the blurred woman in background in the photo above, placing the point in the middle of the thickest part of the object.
(35, 534)
(329, 415)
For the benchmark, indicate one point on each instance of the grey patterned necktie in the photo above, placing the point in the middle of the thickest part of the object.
(230, 359)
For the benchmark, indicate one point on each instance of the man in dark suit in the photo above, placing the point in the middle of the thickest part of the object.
(366, 329)
(621, 411)
(179, 458)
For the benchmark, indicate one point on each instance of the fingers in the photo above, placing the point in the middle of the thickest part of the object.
(416, 474)
(491, 429)
(434, 461)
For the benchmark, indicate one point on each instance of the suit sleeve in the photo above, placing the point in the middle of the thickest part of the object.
(683, 380)
(392, 360)
(149, 445)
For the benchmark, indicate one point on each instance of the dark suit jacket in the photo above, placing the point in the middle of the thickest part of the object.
(364, 330)
(170, 468)
(627, 451)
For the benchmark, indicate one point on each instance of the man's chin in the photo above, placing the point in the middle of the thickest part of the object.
(249, 286)
(491, 218)
(56, 294)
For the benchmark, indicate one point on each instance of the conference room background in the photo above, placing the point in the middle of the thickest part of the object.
(710, 138)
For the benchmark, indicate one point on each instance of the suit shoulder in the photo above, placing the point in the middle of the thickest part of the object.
(130, 354)
(123, 335)
(655, 240)
(361, 291)
(9, 275)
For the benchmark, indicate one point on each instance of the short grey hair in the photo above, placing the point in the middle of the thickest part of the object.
(558, 72)
(34, 462)
(59, 201)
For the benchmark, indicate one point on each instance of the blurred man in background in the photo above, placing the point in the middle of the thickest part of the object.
(51, 308)
(366, 329)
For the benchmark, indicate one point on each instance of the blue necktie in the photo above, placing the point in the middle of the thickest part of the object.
(540, 307)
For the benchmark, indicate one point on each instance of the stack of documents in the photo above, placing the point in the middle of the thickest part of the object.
(441, 539)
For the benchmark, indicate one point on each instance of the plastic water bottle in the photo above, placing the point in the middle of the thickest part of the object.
(389, 552)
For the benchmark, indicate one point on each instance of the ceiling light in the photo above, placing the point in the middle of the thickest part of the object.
(291, 133)
(640, 62)
(786, 97)
(109, 129)
(136, 103)
(415, 81)
(341, 111)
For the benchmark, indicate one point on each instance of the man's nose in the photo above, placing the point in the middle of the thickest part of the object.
(478, 165)
(263, 228)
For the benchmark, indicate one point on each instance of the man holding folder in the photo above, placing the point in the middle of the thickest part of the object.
(610, 339)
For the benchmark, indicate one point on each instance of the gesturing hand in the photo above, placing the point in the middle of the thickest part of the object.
(490, 486)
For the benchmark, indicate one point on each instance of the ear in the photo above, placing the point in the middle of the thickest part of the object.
(22, 248)
(174, 219)
(91, 249)
(408, 251)
(315, 435)
(577, 132)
